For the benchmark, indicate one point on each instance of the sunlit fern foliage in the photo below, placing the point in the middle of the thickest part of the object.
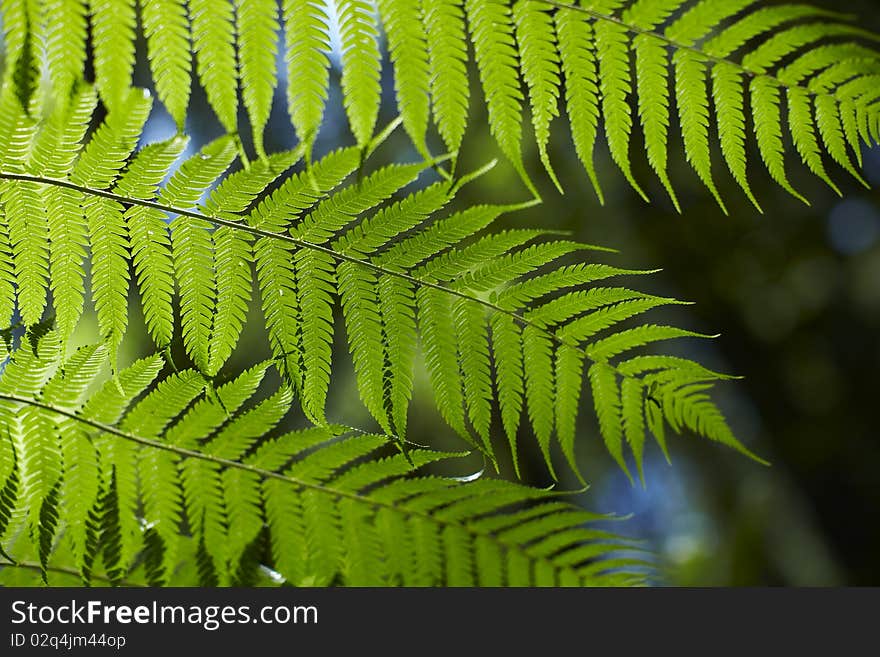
(191, 484)
(161, 476)
(495, 315)
(727, 70)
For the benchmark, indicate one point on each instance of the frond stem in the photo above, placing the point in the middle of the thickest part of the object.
(259, 232)
(29, 565)
(635, 29)
(265, 474)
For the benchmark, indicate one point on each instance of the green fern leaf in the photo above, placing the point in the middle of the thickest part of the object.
(360, 67)
(492, 33)
(578, 57)
(631, 338)
(156, 472)
(440, 353)
(407, 45)
(168, 47)
(727, 94)
(110, 250)
(830, 62)
(632, 412)
(213, 43)
(316, 286)
(568, 377)
(275, 272)
(257, 22)
(37, 448)
(105, 154)
(9, 492)
(803, 133)
(766, 115)
(28, 233)
(547, 44)
(65, 39)
(828, 119)
(701, 18)
(693, 112)
(113, 41)
(307, 41)
(402, 276)
(232, 258)
(358, 288)
(539, 386)
(540, 69)
(507, 355)
(397, 304)
(755, 24)
(48, 523)
(653, 92)
(373, 233)
(341, 209)
(193, 247)
(415, 249)
(111, 542)
(81, 487)
(774, 49)
(149, 237)
(473, 349)
(17, 42)
(614, 82)
(67, 233)
(606, 399)
(648, 14)
(447, 49)
(521, 294)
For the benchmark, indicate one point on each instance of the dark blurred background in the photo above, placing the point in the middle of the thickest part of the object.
(794, 293)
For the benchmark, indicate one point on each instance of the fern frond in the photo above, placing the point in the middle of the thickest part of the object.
(767, 119)
(257, 22)
(727, 94)
(803, 133)
(28, 229)
(540, 69)
(335, 507)
(307, 39)
(832, 127)
(441, 356)
(447, 49)
(653, 91)
(606, 398)
(615, 85)
(34, 444)
(507, 355)
(486, 311)
(213, 43)
(193, 247)
(361, 66)
(67, 233)
(408, 48)
(113, 42)
(17, 42)
(539, 385)
(577, 51)
(99, 165)
(149, 237)
(65, 38)
(315, 286)
(492, 34)
(693, 112)
(167, 30)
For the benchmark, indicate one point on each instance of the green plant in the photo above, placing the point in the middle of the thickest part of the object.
(190, 485)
